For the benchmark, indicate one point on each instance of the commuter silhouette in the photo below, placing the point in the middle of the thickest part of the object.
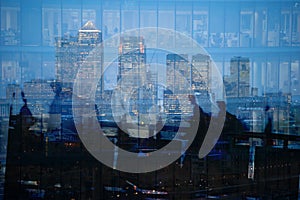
(26, 118)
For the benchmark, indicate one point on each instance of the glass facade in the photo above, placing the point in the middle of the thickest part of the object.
(249, 60)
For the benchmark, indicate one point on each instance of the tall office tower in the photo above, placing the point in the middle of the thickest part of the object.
(38, 89)
(39, 94)
(201, 72)
(201, 75)
(89, 35)
(178, 82)
(71, 52)
(89, 38)
(238, 82)
(132, 74)
(132, 57)
(66, 60)
(83, 51)
(178, 63)
(13, 95)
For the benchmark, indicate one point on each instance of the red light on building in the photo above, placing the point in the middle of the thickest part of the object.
(120, 49)
(142, 48)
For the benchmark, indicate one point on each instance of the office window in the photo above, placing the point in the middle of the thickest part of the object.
(295, 25)
(285, 27)
(166, 15)
(295, 76)
(183, 18)
(148, 14)
(129, 15)
(231, 15)
(51, 25)
(11, 68)
(166, 18)
(71, 20)
(285, 76)
(31, 12)
(272, 75)
(200, 24)
(216, 25)
(258, 80)
(273, 26)
(246, 27)
(260, 25)
(92, 11)
(111, 19)
(10, 24)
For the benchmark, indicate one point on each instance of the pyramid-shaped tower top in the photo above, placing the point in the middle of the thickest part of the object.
(89, 27)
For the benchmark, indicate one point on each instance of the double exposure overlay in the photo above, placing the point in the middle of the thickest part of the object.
(140, 99)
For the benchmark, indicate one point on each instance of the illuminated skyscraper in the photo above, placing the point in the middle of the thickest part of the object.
(71, 52)
(201, 72)
(132, 73)
(238, 83)
(132, 57)
(196, 77)
(89, 35)
(178, 63)
(178, 82)
(66, 60)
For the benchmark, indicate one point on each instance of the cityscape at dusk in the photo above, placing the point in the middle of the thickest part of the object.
(139, 99)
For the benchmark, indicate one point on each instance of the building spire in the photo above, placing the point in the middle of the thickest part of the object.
(89, 26)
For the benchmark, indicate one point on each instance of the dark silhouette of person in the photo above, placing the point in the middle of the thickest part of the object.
(26, 118)
(26, 121)
(202, 123)
(61, 115)
(23, 120)
(54, 122)
(231, 124)
(268, 128)
(55, 107)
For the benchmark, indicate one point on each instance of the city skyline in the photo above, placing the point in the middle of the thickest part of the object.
(152, 99)
(280, 32)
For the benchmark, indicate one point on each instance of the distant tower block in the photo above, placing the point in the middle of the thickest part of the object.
(201, 72)
(71, 51)
(178, 63)
(238, 82)
(132, 74)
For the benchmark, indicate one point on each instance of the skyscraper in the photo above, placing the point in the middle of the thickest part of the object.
(71, 51)
(132, 73)
(201, 72)
(201, 78)
(238, 82)
(178, 82)
(83, 51)
(132, 57)
(89, 35)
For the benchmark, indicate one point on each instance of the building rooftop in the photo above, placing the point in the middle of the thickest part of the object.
(89, 27)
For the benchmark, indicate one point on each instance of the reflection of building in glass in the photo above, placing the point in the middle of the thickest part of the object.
(71, 52)
(132, 57)
(13, 95)
(266, 33)
(194, 76)
(238, 83)
(201, 72)
(38, 89)
(132, 74)
(4, 114)
(178, 63)
(178, 84)
(201, 80)
(89, 35)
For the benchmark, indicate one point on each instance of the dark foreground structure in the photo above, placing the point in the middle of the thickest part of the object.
(242, 165)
